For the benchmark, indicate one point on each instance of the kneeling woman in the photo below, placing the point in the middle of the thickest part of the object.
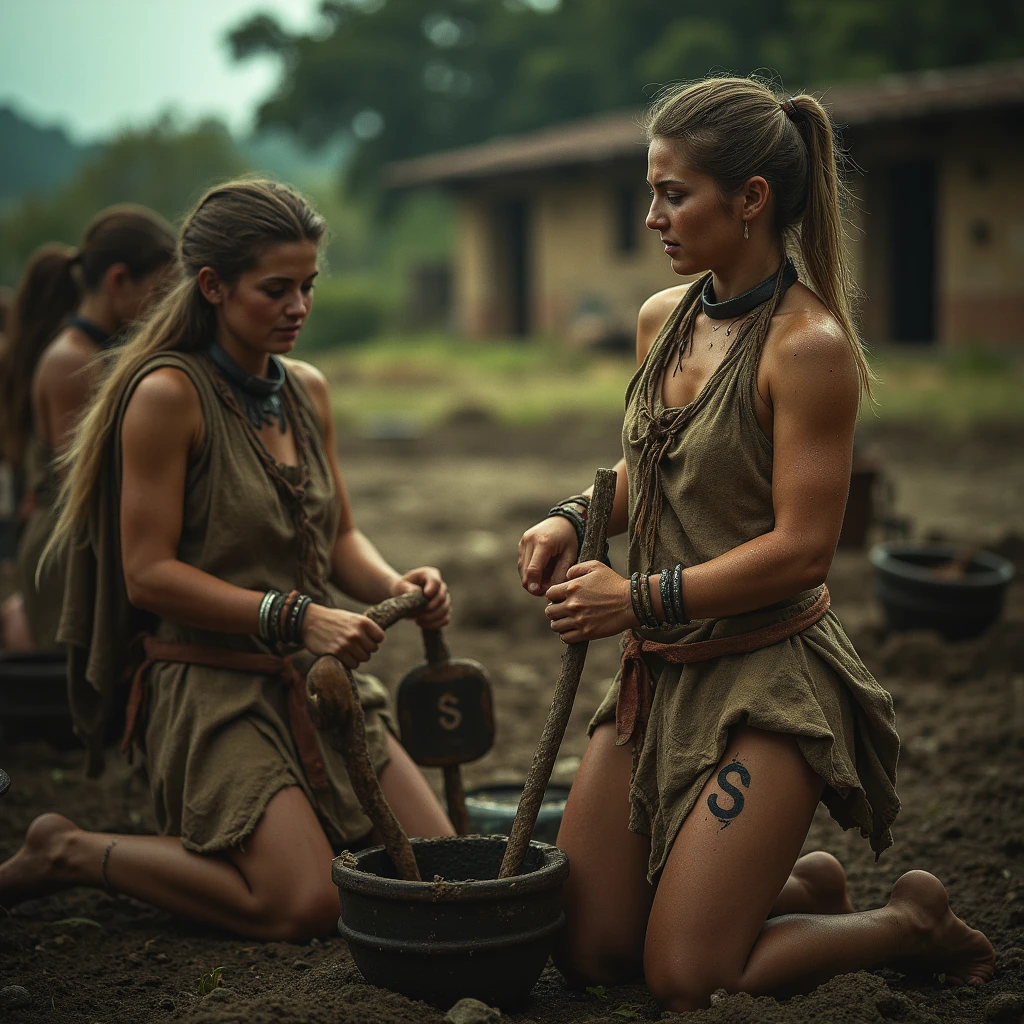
(741, 704)
(202, 479)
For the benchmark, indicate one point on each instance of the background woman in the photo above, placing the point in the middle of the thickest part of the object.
(205, 483)
(698, 787)
(94, 292)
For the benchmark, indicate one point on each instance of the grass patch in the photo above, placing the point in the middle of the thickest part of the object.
(423, 380)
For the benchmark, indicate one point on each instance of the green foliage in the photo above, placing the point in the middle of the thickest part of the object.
(206, 983)
(400, 78)
(163, 166)
(597, 992)
(345, 310)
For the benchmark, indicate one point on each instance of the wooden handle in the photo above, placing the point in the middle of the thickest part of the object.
(455, 797)
(388, 612)
(334, 706)
(573, 658)
(435, 646)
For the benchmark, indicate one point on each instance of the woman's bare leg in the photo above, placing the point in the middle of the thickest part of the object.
(410, 796)
(279, 887)
(607, 897)
(731, 859)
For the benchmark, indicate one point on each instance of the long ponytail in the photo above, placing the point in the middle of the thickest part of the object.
(47, 295)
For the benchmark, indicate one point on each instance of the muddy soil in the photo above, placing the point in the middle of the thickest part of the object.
(460, 499)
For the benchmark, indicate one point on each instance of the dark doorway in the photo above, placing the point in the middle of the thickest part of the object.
(912, 251)
(514, 230)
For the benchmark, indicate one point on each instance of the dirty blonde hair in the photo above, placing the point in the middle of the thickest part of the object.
(228, 230)
(735, 128)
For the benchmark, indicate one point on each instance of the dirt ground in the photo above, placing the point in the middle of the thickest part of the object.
(460, 499)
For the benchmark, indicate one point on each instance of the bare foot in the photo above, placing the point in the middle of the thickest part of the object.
(39, 867)
(936, 939)
(817, 885)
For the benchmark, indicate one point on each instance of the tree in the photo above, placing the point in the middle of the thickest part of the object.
(164, 166)
(400, 77)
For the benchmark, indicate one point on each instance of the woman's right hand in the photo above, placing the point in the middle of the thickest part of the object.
(350, 637)
(546, 552)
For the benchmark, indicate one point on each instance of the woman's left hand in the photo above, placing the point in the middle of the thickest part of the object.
(591, 604)
(437, 613)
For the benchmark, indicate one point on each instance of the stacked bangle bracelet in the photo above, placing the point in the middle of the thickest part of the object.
(670, 587)
(576, 509)
(281, 616)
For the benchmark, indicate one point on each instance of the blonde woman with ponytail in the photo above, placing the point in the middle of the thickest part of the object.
(741, 704)
(209, 541)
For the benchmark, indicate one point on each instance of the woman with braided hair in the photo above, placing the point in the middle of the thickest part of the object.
(204, 510)
(741, 703)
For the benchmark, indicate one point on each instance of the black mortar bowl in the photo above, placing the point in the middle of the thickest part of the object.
(914, 596)
(462, 932)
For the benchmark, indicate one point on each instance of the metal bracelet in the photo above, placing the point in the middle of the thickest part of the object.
(301, 607)
(634, 597)
(264, 613)
(650, 620)
(665, 588)
(677, 595)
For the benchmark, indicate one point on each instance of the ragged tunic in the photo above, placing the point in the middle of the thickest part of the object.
(712, 466)
(218, 742)
(42, 600)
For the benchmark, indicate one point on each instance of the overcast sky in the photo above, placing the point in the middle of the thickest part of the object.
(96, 65)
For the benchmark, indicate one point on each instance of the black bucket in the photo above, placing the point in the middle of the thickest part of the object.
(914, 596)
(492, 809)
(462, 932)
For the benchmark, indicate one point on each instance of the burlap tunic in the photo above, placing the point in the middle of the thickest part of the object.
(218, 743)
(43, 601)
(715, 494)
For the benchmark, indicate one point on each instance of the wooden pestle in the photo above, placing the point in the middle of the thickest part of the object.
(573, 658)
(333, 702)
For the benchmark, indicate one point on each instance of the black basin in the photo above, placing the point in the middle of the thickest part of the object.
(469, 934)
(913, 596)
(492, 809)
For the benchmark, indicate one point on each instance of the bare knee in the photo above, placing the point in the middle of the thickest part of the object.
(594, 958)
(301, 915)
(681, 989)
(825, 870)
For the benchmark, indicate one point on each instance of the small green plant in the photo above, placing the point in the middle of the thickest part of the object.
(628, 1011)
(208, 982)
(57, 776)
(597, 992)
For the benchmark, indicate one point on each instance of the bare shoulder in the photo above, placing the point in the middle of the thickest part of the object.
(805, 337)
(316, 385)
(653, 315)
(166, 395)
(314, 380)
(68, 353)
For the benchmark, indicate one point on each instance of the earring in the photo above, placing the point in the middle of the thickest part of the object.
(746, 232)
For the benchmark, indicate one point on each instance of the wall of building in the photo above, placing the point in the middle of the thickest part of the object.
(583, 287)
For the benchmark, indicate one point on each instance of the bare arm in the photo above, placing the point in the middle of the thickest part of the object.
(548, 549)
(814, 397)
(357, 567)
(162, 427)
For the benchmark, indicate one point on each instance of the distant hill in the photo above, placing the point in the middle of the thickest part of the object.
(34, 159)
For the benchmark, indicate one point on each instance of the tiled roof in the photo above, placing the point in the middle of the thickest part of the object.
(607, 136)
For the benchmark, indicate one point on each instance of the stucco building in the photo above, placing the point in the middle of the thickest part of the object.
(551, 234)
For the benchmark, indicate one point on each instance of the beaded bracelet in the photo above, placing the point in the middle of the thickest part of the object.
(579, 523)
(677, 596)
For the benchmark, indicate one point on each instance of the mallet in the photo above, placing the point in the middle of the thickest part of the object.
(573, 657)
(333, 702)
(446, 714)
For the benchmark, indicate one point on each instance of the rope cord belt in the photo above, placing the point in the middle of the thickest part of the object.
(302, 728)
(633, 707)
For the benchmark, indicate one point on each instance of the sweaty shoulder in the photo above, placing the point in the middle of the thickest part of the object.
(807, 352)
(654, 313)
